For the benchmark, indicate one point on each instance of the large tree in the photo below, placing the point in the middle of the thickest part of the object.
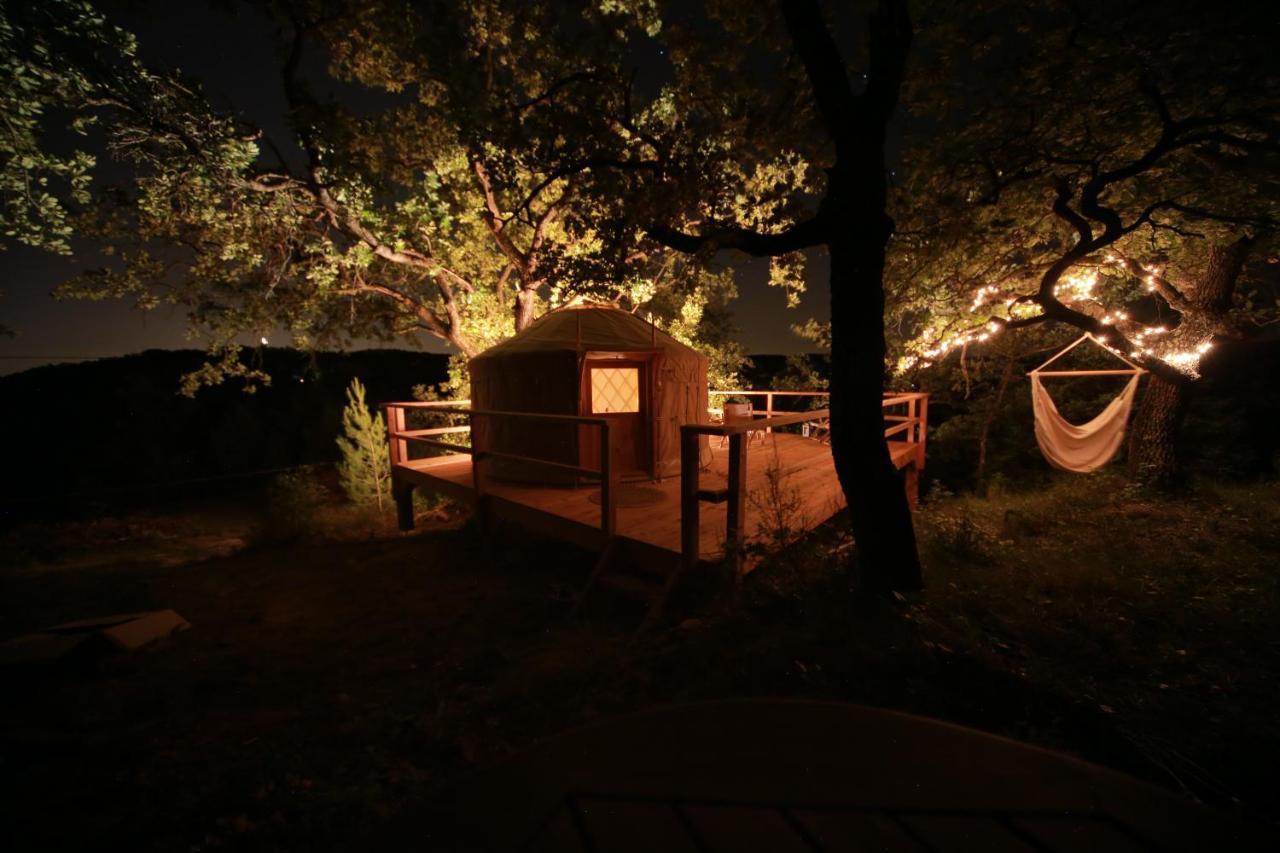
(769, 141)
(1109, 168)
(839, 126)
(757, 139)
(430, 200)
(515, 157)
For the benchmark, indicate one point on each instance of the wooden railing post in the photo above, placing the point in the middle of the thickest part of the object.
(689, 522)
(395, 425)
(477, 480)
(402, 493)
(768, 408)
(608, 494)
(734, 537)
(923, 414)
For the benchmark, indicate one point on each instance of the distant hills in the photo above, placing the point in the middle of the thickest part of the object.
(116, 429)
(109, 427)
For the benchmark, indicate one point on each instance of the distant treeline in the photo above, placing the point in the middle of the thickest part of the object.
(106, 429)
(116, 431)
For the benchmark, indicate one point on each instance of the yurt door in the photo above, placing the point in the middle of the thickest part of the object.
(618, 390)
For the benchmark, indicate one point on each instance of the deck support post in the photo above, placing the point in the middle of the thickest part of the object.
(403, 495)
(922, 428)
(395, 425)
(608, 484)
(479, 507)
(602, 562)
(736, 510)
(911, 482)
(689, 523)
(689, 509)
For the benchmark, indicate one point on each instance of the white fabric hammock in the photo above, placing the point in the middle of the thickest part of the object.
(1089, 446)
(1086, 447)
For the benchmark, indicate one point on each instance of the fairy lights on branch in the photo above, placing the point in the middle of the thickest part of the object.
(1181, 348)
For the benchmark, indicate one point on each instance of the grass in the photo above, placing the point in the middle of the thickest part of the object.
(328, 683)
(1159, 613)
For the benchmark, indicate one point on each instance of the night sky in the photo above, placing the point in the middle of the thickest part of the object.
(229, 49)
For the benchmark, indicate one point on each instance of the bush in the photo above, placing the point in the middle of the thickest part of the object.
(365, 469)
(960, 537)
(294, 500)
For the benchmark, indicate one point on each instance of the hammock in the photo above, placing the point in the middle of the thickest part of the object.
(1091, 445)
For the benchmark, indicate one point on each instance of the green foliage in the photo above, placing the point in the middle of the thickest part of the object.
(958, 536)
(365, 468)
(493, 181)
(1162, 110)
(779, 505)
(294, 500)
(38, 186)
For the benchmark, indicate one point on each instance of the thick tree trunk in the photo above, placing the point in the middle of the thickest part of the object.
(878, 509)
(526, 305)
(858, 230)
(1153, 457)
(852, 224)
(879, 514)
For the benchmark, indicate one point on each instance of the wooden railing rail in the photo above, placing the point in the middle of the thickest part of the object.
(768, 397)
(399, 438)
(431, 404)
(737, 427)
(912, 428)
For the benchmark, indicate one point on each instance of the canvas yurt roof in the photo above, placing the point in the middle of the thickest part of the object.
(590, 328)
(546, 369)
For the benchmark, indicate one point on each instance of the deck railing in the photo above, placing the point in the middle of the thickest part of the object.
(399, 437)
(769, 397)
(909, 425)
(905, 412)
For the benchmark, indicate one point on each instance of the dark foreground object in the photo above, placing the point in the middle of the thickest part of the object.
(87, 640)
(804, 776)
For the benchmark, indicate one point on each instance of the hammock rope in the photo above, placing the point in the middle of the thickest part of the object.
(1084, 447)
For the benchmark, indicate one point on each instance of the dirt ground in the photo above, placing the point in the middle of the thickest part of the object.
(321, 683)
(327, 684)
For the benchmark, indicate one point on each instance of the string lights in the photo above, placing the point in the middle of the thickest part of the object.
(1075, 288)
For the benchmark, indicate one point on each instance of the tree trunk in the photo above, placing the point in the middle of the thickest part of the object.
(879, 514)
(1153, 458)
(878, 509)
(526, 305)
(989, 421)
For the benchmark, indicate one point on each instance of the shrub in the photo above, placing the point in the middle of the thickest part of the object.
(365, 469)
(959, 536)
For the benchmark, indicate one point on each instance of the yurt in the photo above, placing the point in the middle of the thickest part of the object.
(595, 361)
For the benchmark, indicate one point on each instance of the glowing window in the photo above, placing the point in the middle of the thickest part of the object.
(615, 389)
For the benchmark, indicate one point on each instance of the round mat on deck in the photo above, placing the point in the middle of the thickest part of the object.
(628, 495)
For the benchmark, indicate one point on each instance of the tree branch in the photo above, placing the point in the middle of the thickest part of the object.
(822, 63)
(802, 235)
(494, 219)
(1167, 290)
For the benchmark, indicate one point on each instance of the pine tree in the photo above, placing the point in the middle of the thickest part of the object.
(365, 469)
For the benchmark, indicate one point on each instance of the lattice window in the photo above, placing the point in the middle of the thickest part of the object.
(615, 389)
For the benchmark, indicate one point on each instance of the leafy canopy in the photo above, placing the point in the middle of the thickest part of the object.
(1092, 158)
(482, 165)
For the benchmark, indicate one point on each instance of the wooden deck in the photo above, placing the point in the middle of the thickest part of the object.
(716, 508)
(652, 533)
